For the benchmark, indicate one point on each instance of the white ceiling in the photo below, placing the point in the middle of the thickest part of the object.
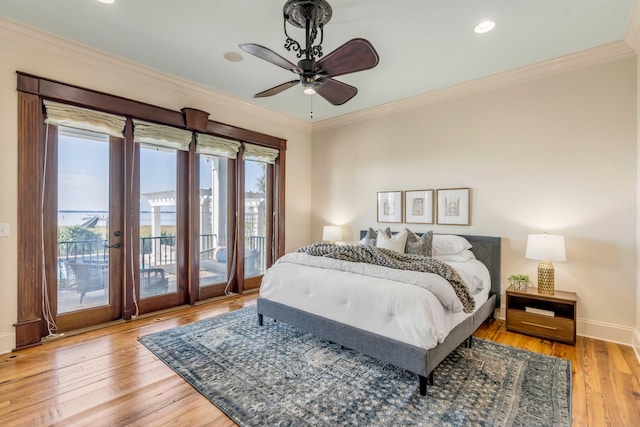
(424, 45)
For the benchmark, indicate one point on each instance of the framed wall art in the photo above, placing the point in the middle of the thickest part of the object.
(453, 206)
(390, 206)
(418, 207)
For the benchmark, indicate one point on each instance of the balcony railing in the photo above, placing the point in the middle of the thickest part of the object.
(154, 252)
(83, 251)
(75, 254)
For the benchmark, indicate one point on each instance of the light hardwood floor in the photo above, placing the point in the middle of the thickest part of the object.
(105, 377)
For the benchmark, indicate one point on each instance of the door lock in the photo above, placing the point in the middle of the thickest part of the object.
(115, 246)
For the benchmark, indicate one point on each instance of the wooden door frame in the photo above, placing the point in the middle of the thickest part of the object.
(31, 91)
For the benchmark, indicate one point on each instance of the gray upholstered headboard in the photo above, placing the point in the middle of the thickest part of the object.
(487, 250)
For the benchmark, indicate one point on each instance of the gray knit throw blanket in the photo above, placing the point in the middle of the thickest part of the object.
(397, 260)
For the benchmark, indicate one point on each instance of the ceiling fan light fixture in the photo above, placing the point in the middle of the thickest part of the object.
(484, 27)
(308, 83)
(315, 71)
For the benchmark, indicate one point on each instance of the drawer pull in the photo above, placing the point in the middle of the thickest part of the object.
(538, 325)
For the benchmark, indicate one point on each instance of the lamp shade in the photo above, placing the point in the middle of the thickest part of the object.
(332, 233)
(546, 247)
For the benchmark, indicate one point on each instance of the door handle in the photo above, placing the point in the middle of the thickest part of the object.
(115, 246)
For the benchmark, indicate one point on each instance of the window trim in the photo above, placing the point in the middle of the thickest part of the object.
(32, 90)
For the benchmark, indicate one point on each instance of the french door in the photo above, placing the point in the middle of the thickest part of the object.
(215, 224)
(160, 233)
(257, 227)
(85, 185)
(87, 180)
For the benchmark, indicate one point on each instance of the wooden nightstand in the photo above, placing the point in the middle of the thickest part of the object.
(522, 316)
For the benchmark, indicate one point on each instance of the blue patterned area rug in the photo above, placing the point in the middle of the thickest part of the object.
(278, 375)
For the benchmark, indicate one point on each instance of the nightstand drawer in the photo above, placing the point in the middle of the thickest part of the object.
(555, 328)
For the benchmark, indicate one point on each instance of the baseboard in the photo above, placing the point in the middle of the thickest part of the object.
(7, 342)
(605, 332)
(586, 328)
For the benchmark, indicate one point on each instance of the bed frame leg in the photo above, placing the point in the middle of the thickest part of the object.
(423, 385)
(470, 341)
(260, 320)
(424, 381)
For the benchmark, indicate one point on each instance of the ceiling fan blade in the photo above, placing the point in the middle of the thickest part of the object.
(355, 55)
(270, 56)
(277, 89)
(335, 92)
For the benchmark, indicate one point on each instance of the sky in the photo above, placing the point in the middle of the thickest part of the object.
(83, 170)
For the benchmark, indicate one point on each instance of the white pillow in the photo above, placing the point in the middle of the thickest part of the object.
(371, 236)
(464, 255)
(395, 242)
(449, 244)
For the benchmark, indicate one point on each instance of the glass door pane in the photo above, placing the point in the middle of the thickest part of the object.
(158, 189)
(83, 220)
(214, 255)
(255, 221)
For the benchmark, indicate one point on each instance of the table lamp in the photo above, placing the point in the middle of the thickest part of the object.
(546, 248)
(331, 233)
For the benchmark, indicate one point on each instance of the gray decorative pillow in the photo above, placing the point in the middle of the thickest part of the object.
(419, 245)
(372, 236)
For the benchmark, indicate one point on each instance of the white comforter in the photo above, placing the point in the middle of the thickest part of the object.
(416, 308)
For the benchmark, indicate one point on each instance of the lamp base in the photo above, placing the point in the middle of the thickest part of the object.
(546, 278)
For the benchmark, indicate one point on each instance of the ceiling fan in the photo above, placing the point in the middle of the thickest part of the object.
(316, 75)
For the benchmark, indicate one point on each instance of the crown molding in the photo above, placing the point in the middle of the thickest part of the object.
(585, 58)
(601, 54)
(82, 53)
(632, 37)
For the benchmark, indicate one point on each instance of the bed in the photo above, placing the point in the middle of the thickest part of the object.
(366, 333)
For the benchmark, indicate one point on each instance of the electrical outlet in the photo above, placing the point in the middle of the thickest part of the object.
(4, 229)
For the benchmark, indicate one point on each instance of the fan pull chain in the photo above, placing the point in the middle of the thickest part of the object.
(311, 107)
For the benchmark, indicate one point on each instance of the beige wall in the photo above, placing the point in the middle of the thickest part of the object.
(555, 154)
(33, 52)
(636, 337)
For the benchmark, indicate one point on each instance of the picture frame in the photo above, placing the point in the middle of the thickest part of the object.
(389, 206)
(454, 207)
(418, 207)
